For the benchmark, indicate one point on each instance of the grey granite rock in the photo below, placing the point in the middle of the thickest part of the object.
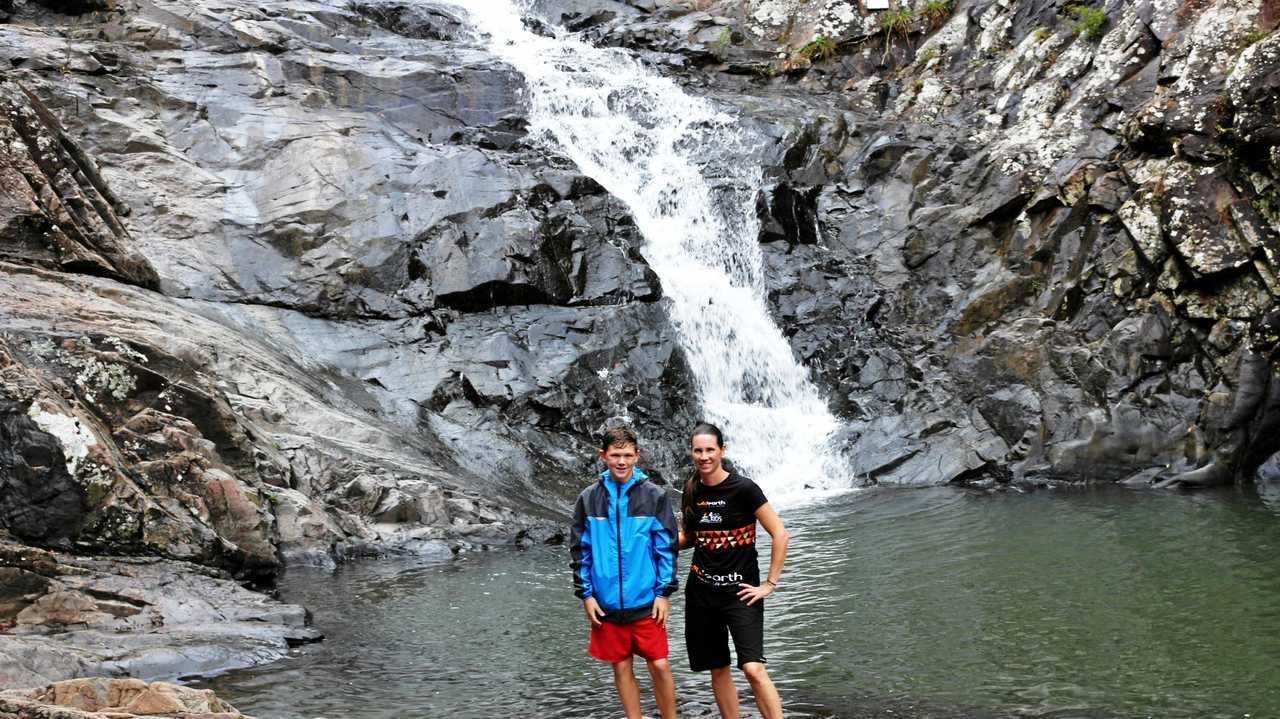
(145, 618)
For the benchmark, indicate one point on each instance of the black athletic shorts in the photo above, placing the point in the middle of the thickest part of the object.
(710, 617)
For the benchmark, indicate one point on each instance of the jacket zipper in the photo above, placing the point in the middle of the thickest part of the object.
(622, 597)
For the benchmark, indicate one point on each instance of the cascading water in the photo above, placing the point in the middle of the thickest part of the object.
(677, 162)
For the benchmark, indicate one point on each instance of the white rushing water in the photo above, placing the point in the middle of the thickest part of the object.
(683, 169)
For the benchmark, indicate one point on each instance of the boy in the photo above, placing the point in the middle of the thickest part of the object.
(623, 551)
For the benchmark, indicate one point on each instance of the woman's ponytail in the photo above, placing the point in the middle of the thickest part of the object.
(686, 502)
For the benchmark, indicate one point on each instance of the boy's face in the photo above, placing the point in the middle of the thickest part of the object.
(620, 458)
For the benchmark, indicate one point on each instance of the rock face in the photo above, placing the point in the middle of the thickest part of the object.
(293, 284)
(57, 212)
(1054, 247)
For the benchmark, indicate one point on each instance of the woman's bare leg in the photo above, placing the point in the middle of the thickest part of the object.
(766, 694)
(725, 691)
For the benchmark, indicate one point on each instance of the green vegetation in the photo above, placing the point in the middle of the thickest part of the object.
(819, 48)
(1042, 33)
(722, 43)
(895, 22)
(1256, 35)
(936, 12)
(1268, 208)
(1091, 22)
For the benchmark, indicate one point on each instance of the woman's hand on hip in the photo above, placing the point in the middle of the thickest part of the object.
(752, 593)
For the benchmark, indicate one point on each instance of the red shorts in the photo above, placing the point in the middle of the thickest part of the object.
(614, 643)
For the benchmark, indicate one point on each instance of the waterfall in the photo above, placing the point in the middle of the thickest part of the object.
(682, 168)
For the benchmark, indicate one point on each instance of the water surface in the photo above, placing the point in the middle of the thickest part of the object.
(935, 603)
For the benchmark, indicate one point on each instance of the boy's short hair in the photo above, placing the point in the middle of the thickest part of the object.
(618, 435)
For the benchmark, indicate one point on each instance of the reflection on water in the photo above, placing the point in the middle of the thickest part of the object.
(895, 603)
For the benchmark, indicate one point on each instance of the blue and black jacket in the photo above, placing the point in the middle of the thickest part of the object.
(623, 546)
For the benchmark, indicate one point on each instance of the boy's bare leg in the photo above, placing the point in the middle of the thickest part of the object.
(664, 687)
(765, 692)
(726, 693)
(628, 690)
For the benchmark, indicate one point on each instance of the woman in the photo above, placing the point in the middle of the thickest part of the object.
(724, 595)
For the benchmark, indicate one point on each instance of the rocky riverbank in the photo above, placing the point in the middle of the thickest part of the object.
(64, 616)
(292, 283)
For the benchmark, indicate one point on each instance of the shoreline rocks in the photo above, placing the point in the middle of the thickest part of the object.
(99, 698)
(63, 617)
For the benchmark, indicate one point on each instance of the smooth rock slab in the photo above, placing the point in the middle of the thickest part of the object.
(146, 618)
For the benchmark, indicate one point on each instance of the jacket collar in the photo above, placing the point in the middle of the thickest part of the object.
(637, 476)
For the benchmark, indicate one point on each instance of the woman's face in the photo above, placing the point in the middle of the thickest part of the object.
(706, 452)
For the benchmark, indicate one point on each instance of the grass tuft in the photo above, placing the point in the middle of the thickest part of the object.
(722, 43)
(819, 48)
(1091, 22)
(895, 22)
(936, 12)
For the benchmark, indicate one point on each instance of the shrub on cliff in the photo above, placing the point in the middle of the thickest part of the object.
(1091, 22)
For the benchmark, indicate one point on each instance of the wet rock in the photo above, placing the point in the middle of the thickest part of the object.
(429, 22)
(971, 285)
(312, 231)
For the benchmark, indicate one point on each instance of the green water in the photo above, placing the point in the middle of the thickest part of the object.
(895, 603)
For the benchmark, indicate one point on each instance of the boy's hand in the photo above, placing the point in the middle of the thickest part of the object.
(752, 594)
(661, 606)
(594, 613)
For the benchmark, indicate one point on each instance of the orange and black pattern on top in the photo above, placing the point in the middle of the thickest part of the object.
(744, 536)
